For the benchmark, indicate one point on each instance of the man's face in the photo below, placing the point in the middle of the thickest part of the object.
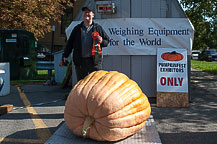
(87, 15)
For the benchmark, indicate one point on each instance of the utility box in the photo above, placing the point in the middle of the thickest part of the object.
(4, 79)
(60, 72)
(17, 47)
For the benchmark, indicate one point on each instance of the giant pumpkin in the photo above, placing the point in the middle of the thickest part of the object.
(106, 106)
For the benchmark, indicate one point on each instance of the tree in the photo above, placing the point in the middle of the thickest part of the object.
(32, 15)
(203, 15)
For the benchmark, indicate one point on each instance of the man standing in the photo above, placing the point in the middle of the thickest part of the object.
(87, 39)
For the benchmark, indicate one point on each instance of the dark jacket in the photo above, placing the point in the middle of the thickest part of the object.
(74, 42)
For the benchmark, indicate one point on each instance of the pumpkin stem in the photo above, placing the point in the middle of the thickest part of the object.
(87, 124)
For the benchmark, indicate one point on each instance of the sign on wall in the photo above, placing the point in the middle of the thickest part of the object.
(143, 36)
(172, 70)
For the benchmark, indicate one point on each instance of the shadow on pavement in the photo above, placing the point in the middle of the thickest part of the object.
(26, 136)
(189, 138)
(196, 124)
(20, 116)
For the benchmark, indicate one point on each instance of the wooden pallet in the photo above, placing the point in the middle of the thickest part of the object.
(4, 109)
(147, 135)
(172, 100)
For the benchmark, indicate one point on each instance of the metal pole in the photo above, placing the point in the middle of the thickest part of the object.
(52, 41)
(52, 47)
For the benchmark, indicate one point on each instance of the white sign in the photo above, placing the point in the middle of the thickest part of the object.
(2, 71)
(53, 28)
(172, 70)
(11, 40)
(143, 36)
(14, 35)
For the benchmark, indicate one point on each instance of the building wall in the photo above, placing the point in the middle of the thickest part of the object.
(125, 9)
(140, 68)
(139, 9)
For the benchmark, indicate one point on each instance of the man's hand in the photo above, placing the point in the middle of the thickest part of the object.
(99, 39)
(63, 60)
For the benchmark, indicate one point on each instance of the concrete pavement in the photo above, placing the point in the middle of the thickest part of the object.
(196, 124)
(38, 111)
(205, 81)
(35, 124)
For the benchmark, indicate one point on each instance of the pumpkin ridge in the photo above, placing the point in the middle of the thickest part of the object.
(122, 91)
(121, 109)
(98, 131)
(109, 96)
(85, 89)
(76, 85)
(93, 76)
(133, 99)
(76, 90)
(71, 119)
(100, 123)
(137, 118)
(72, 115)
(84, 81)
(115, 134)
(141, 105)
(79, 125)
(128, 93)
(89, 98)
(90, 91)
(70, 99)
(98, 96)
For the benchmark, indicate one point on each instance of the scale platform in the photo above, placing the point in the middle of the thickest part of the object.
(147, 135)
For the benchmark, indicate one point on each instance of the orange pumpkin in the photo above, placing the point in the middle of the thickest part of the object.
(172, 56)
(106, 106)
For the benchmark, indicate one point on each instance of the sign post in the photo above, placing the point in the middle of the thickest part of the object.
(172, 78)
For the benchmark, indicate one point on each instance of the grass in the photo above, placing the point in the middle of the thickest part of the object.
(210, 67)
(44, 72)
(41, 77)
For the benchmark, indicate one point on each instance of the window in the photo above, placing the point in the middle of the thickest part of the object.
(66, 19)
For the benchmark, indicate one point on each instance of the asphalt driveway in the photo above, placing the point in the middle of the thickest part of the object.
(39, 111)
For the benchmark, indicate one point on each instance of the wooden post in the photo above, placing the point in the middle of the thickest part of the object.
(172, 99)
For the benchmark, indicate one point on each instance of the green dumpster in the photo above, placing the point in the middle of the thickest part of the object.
(17, 46)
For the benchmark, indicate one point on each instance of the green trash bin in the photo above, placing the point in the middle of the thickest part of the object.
(17, 47)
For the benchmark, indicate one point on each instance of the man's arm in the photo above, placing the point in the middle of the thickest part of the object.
(68, 48)
(69, 45)
(105, 38)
